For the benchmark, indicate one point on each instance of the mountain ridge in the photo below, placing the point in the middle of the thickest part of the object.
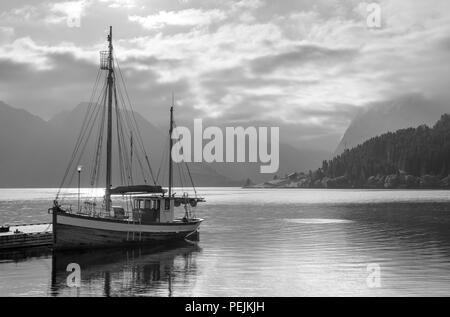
(390, 115)
(35, 152)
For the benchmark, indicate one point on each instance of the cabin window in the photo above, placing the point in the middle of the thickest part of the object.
(148, 204)
(167, 204)
(155, 205)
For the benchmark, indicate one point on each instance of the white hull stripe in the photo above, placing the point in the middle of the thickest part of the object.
(125, 227)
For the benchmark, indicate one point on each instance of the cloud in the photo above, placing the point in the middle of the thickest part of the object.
(26, 50)
(70, 81)
(305, 64)
(64, 11)
(23, 13)
(246, 4)
(188, 17)
(303, 54)
(6, 34)
(117, 4)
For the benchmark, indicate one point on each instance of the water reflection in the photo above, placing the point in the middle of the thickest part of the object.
(22, 255)
(410, 242)
(143, 271)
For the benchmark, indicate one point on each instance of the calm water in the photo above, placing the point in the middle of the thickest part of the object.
(257, 243)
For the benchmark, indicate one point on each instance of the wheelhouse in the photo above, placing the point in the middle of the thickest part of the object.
(148, 209)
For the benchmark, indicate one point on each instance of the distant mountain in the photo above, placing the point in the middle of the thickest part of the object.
(291, 159)
(35, 153)
(25, 146)
(378, 118)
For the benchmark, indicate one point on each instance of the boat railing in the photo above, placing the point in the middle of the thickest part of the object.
(90, 209)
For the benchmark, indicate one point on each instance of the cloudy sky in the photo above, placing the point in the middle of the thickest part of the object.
(303, 65)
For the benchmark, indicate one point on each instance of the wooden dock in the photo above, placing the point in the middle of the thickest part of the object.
(27, 235)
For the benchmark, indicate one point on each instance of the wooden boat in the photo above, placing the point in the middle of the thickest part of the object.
(146, 214)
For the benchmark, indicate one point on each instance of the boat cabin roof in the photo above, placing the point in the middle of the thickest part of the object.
(137, 189)
(176, 198)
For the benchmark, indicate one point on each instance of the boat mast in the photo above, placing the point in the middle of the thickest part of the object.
(170, 148)
(110, 85)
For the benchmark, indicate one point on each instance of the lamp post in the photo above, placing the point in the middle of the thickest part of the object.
(79, 181)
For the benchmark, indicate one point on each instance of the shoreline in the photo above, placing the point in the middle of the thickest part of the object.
(348, 188)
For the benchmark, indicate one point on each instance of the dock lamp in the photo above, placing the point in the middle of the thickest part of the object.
(79, 168)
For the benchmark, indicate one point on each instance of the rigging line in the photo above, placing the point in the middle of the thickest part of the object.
(131, 157)
(128, 163)
(91, 121)
(131, 127)
(125, 165)
(80, 135)
(183, 174)
(85, 122)
(100, 148)
(78, 143)
(124, 136)
(192, 181)
(116, 108)
(180, 176)
(85, 143)
(128, 99)
(118, 137)
(185, 177)
(139, 160)
(122, 167)
(189, 172)
(99, 164)
(135, 121)
(163, 159)
(126, 159)
(99, 143)
(190, 177)
(141, 165)
(180, 169)
(99, 168)
(165, 167)
(127, 120)
(83, 148)
(147, 159)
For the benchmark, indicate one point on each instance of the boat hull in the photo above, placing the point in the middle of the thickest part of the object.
(75, 232)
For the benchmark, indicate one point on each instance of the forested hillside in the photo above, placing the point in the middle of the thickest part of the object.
(408, 158)
(415, 151)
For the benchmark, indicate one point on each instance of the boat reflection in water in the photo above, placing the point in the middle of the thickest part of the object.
(140, 271)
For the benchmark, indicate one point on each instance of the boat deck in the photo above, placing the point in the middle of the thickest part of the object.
(27, 235)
